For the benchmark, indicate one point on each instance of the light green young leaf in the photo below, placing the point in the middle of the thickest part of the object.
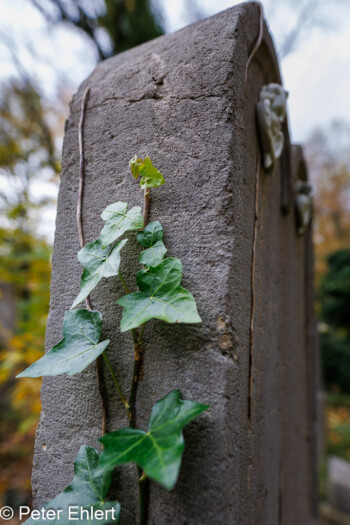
(79, 347)
(151, 238)
(98, 262)
(88, 488)
(159, 450)
(150, 176)
(161, 297)
(135, 165)
(118, 221)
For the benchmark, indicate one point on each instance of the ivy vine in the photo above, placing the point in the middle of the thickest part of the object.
(157, 451)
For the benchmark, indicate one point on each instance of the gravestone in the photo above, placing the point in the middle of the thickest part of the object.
(339, 484)
(188, 101)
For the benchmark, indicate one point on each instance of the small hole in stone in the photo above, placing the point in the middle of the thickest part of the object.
(44, 447)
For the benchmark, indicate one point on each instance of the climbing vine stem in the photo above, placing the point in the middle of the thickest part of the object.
(138, 346)
(119, 390)
(255, 230)
(99, 368)
(126, 288)
(137, 377)
(98, 364)
(146, 205)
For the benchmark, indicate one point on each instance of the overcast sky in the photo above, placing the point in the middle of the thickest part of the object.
(316, 73)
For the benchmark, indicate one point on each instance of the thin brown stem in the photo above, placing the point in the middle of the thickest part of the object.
(141, 334)
(81, 167)
(138, 349)
(252, 287)
(255, 234)
(136, 378)
(143, 497)
(146, 206)
(258, 39)
(126, 287)
(101, 393)
(120, 392)
(137, 372)
(99, 371)
(138, 362)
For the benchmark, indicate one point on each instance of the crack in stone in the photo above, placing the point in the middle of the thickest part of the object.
(156, 97)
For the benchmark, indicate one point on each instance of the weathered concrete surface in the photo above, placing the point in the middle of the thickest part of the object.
(182, 99)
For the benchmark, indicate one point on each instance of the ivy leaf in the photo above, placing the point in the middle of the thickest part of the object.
(79, 347)
(88, 488)
(161, 297)
(98, 262)
(159, 450)
(151, 238)
(152, 233)
(118, 221)
(135, 165)
(150, 177)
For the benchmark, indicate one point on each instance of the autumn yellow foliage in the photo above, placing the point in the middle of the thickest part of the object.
(25, 271)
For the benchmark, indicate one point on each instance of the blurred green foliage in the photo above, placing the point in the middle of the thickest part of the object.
(111, 25)
(335, 291)
(25, 269)
(334, 295)
(28, 156)
(129, 23)
(338, 424)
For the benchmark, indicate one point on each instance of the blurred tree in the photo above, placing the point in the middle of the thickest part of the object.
(24, 129)
(328, 157)
(338, 425)
(336, 291)
(25, 268)
(112, 25)
(28, 151)
(28, 159)
(335, 314)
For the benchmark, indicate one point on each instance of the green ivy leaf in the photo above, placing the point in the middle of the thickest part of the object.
(161, 297)
(150, 176)
(151, 238)
(118, 221)
(98, 262)
(79, 347)
(159, 451)
(88, 489)
(135, 165)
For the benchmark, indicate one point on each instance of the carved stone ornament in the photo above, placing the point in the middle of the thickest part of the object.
(271, 112)
(303, 205)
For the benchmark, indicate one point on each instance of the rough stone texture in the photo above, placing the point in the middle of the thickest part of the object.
(183, 100)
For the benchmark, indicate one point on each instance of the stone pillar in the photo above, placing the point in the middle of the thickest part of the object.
(184, 100)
